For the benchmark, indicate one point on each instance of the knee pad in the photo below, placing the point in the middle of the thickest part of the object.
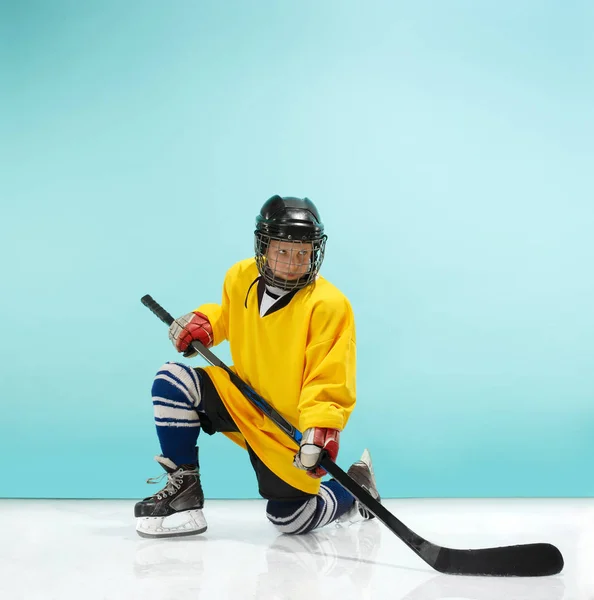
(177, 383)
(292, 516)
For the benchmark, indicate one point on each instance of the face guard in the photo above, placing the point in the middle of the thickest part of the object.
(288, 265)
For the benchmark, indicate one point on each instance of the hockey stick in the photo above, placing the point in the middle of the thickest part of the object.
(526, 560)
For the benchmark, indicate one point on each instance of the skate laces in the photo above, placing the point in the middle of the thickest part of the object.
(174, 482)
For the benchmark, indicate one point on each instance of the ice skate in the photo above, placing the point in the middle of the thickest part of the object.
(176, 510)
(362, 472)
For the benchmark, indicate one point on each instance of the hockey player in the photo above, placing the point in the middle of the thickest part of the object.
(292, 338)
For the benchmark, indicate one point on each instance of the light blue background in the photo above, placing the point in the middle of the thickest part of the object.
(449, 147)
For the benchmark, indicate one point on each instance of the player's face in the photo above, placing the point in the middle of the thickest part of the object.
(289, 260)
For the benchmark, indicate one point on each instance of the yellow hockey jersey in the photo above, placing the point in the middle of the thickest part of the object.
(300, 358)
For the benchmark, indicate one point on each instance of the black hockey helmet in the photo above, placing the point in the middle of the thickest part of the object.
(295, 220)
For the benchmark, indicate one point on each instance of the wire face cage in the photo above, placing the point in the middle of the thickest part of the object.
(286, 263)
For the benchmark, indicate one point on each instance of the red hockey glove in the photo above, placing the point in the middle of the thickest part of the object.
(193, 326)
(314, 440)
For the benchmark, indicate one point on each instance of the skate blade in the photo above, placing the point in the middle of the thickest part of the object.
(188, 522)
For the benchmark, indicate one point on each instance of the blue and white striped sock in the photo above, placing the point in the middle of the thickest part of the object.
(176, 401)
(303, 516)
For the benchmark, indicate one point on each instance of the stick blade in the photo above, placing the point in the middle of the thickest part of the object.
(527, 560)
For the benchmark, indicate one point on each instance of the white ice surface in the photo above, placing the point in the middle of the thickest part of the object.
(88, 549)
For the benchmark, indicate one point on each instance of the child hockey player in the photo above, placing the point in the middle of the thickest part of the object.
(292, 339)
